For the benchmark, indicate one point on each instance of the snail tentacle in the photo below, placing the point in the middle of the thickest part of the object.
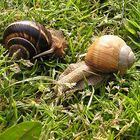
(44, 53)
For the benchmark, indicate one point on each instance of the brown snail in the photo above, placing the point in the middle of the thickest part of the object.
(108, 54)
(32, 40)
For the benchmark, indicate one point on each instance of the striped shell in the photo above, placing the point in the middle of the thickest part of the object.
(108, 54)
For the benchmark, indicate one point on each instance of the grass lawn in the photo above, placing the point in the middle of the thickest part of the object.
(109, 112)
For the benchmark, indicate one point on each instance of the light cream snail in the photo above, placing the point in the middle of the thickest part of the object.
(108, 54)
(32, 40)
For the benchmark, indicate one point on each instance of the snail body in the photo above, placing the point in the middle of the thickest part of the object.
(31, 40)
(108, 54)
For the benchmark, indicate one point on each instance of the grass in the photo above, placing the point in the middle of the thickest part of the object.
(110, 112)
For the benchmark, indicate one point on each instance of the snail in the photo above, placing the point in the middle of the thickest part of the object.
(108, 54)
(30, 40)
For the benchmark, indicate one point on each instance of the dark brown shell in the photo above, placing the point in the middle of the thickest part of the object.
(29, 36)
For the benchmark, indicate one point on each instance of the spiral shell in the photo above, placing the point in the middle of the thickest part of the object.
(109, 54)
